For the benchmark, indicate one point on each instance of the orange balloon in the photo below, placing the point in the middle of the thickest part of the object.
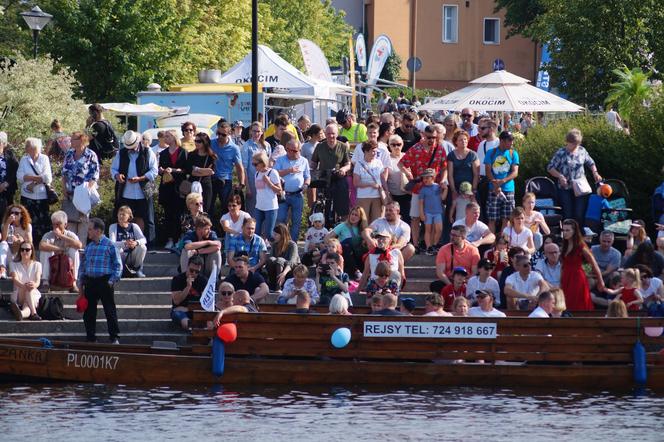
(605, 190)
(227, 332)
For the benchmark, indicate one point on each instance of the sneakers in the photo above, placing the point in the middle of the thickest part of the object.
(169, 245)
(16, 311)
(140, 274)
(115, 341)
(430, 251)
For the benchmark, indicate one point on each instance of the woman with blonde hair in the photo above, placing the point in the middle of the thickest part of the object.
(268, 186)
(617, 309)
(559, 305)
(129, 240)
(26, 274)
(255, 144)
(299, 281)
(339, 305)
(350, 233)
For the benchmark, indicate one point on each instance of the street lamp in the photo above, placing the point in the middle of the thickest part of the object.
(36, 20)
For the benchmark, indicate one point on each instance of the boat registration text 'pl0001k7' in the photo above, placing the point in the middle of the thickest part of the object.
(480, 330)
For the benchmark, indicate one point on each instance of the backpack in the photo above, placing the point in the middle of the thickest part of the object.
(62, 271)
(108, 145)
(51, 308)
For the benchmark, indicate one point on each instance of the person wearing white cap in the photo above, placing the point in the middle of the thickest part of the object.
(8, 168)
(134, 170)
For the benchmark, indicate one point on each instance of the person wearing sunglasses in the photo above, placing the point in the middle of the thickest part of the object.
(408, 132)
(467, 116)
(293, 169)
(26, 274)
(228, 158)
(186, 290)
(200, 167)
(523, 286)
(188, 131)
(225, 296)
(16, 228)
(255, 144)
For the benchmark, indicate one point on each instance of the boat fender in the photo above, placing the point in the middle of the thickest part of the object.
(639, 355)
(45, 343)
(218, 356)
(227, 332)
(653, 332)
(341, 337)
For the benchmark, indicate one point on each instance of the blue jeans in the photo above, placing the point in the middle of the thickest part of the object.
(296, 203)
(573, 206)
(265, 222)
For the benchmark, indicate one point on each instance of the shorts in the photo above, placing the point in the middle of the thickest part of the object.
(415, 206)
(498, 208)
(433, 218)
(178, 315)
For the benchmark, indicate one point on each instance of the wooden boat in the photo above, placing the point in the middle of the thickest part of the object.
(279, 348)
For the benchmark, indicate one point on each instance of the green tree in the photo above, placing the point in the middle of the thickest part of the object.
(33, 93)
(520, 14)
(630, 91)
(392, 69)
(588, 39)
(317, 21)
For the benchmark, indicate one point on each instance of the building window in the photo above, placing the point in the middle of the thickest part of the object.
(450, 23)
(491, 31)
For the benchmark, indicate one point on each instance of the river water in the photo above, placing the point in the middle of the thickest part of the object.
(72, 412)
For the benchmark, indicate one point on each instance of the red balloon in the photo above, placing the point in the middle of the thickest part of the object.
(227, 332)
(81, 304)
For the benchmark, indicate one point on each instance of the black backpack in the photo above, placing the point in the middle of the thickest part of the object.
(105, 145)
(51, 308)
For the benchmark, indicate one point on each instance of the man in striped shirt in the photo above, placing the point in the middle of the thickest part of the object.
(100, 269)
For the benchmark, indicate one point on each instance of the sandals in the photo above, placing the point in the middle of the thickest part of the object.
(35, 317)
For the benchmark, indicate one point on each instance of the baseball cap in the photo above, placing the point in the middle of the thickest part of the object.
(460, 271)
(466, 188)
(506, 135)
(429, 172)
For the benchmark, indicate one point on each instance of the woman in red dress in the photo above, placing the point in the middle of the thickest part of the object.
(573, 279)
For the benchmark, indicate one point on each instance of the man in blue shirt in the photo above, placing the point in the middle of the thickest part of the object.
(294, 170)
(228, 156)
(248, 244)
(502, 166)
(100, 268)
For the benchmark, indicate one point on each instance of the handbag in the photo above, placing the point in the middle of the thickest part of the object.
(149, 189)
(415, 181)
(62, 271)
(581, 186)
(51, 196)
(385, 199)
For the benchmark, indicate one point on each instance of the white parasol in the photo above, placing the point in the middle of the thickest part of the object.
(502, 91)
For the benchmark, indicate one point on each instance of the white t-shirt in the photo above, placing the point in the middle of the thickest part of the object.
(530, 286)
(383, 155)
(395, 177)
(237, 225)
(518, 239)
(369, 173)
(539, 313)
(477, 312)
(400, 230)
(490, 284)
(474, 232)
(482, 149)
(654, 287)
(266, 199)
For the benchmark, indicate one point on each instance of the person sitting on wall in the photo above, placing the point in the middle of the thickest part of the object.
(545, 303)
(203, 242)
(58, 240)
(242, 303)
(388, 306)
(243, 279)
(186, 289)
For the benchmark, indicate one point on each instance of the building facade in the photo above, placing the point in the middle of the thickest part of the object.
(456, 40)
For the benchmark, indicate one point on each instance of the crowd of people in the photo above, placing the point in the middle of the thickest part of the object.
(393, 185)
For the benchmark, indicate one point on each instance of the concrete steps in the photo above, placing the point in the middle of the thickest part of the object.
(144, 304)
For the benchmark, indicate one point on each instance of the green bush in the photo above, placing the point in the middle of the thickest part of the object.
(635, 159)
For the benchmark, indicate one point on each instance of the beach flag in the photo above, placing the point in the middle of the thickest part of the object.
(207, 298)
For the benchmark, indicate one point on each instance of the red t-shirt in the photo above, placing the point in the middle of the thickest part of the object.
(449, 293)
(417, 159)
(474, 143)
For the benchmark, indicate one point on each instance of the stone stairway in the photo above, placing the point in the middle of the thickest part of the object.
(144, 304)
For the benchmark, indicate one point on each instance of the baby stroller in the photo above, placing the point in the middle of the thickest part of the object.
(547, 201)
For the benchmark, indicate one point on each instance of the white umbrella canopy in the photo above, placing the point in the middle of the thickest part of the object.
(149, 109)
(508, 93)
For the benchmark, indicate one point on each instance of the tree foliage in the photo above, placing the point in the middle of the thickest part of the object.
(588, 39)
(630, 91)
(392, 69)
(33, 93)
(118, 47)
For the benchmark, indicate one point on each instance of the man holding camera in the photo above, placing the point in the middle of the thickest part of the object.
(330, 279)
(332, 155)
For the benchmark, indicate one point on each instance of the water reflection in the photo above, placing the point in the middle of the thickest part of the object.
(94, 412)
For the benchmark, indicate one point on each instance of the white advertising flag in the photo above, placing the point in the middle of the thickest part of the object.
(314, 60)
(381, 49)
(361, 51)
(207, 298)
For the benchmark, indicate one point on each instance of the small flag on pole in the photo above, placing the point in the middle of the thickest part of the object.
(207, 298)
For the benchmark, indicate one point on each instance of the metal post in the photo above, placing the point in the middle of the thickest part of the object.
(35, 39)
(254, 60)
